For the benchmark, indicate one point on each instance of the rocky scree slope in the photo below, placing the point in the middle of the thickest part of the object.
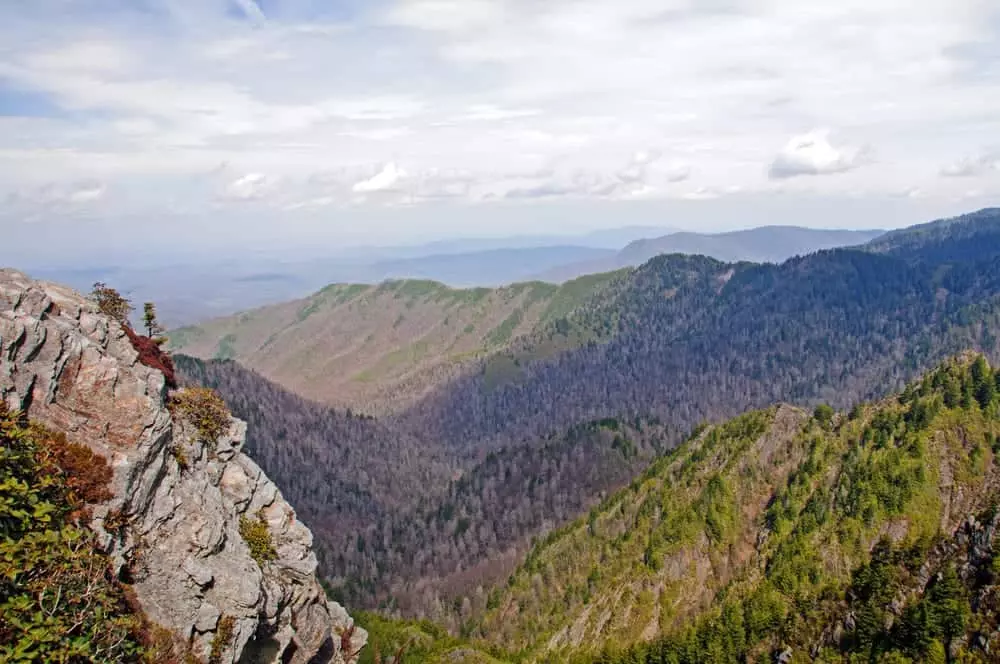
(180, 500)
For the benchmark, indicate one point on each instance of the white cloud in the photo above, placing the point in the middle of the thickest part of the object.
(72, 193)
(252, 10)
(387, 179)
(678, 172)
(972, 166)
(813, 154)
(83, 56)
(252, 186)
(637, 169)
(86, 193)
(67, 201)
(489, 112)
(447, 15)
(484, 99)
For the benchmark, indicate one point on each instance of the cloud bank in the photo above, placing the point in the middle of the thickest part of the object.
(222, 107)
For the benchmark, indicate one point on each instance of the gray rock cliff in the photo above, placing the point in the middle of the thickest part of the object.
(173, 525)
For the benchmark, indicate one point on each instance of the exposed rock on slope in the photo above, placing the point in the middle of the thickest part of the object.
(174, 525)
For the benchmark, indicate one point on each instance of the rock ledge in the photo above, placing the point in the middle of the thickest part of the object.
(173, 525)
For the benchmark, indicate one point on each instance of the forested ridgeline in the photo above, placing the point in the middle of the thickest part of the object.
(862, 536)
(692, 339)
(416, 512)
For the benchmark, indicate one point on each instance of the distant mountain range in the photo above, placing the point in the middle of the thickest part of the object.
(767, 244)
(188, 293)
(376, 348)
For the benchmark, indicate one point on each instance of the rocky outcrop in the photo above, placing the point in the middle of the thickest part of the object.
(173, 527)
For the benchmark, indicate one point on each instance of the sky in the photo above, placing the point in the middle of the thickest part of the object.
(146, 128)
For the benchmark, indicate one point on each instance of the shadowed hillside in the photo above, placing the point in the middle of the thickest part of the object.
(379, 348)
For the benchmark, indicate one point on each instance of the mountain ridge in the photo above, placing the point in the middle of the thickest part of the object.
(762, 244)
(377, 348)
(686, 339)
(765, 515)
(413, 363)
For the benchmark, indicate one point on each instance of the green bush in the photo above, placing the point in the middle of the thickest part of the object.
(258, 537)
(111, 303)
(223, 635)
(59, 601)
(205, 409)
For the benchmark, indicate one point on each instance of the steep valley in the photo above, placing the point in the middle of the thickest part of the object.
(425, 526)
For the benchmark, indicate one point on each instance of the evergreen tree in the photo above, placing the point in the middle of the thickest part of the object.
(983, 384)
(152, 325)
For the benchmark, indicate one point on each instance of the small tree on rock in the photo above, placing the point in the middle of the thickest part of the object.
(152, 325)
(111, 302)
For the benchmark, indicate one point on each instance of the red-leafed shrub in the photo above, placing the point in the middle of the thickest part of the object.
(152, 355)
(85, 475)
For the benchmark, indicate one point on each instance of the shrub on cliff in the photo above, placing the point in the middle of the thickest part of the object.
(59, 601)
(152, 355)
(205, 409)
(111, 302)
(257, 536)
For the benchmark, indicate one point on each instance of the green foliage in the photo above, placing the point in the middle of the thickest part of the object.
(226, 349)
(257, 535)
(810, 557)
(177, 452)
(823, 414)
(223, 636)
(502, 333)
(58, 599)
(929, 622)
(205, 409)
(718, 508)
(150, 322)
(111, 302)
(418, 642)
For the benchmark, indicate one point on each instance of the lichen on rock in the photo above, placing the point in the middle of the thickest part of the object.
(172, 528)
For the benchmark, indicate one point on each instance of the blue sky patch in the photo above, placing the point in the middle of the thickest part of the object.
(18, 102)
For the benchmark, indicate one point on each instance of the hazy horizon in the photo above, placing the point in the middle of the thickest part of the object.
(188, 240)
(297, 127)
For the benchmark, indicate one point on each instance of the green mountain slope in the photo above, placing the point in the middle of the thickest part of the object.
(688, 338)
(379, 348)
(754, 537)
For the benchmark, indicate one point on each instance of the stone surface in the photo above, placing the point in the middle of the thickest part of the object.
(75, 370)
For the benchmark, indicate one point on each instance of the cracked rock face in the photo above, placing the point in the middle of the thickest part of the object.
(173, 526)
